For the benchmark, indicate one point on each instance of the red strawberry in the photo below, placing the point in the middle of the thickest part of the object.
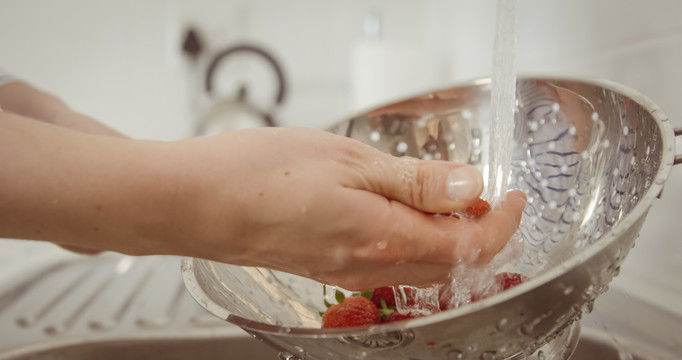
(397, 316)
(384, 293)
(387, 294)
(477, 209)
(508, 280)
(352, 311)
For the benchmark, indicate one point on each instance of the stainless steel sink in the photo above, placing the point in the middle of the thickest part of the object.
(116, 307)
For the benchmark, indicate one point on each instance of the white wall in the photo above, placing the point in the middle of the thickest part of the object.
(118, 60)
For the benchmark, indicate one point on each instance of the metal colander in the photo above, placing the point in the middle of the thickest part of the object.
(591, 156)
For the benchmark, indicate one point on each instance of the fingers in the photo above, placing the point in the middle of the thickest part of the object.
(430, 186)
(425, 238)
(480, 240)
(419, 249)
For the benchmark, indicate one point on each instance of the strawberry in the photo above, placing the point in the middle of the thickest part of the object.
(508, 280)
(352, 311)
(477, 209)
(397, 316)
(387, 294)
(384, 293)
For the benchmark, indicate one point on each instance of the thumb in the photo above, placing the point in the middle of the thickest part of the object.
(428, 185)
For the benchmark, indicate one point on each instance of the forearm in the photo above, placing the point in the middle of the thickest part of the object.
(93, 191)
(25, 100)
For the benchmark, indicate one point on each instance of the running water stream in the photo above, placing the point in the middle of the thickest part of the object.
(468, 283)
(503, 101)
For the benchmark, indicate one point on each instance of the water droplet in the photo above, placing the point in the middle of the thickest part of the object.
(572, 192)
(531, 162)
(427, 157)
(616, 271)
(572, 130)
(466, 114)
(615, 172)
(401, 147)
(595, 116)
(488, 355)
(568, 289)
(452, 146)
(361, 355)
(472, 347)
(533, 126)
(589, 292)
(455, 355)
(626, 130)
(375, 136)
(503, 324)
(381, 245)
(575, 217)
(564, 168)
(551, 146)
(588, 307)
(437, 156)
(527, 328)
(585, 155)
(552, 204)
(299, 349)
(555, 107)
(606, 143)
(544, 183)
(283, 355)
(541, 355)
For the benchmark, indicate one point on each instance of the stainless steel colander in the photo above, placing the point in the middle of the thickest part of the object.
(591, 156)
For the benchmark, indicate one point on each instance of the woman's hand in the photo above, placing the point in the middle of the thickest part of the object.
(334, 209)
(292, 199)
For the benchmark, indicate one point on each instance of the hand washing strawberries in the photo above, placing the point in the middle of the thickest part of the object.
(389, 304)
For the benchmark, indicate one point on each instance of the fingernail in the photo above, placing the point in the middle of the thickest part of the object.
(464, 183)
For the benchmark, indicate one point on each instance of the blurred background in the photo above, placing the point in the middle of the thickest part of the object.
(140, 66)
